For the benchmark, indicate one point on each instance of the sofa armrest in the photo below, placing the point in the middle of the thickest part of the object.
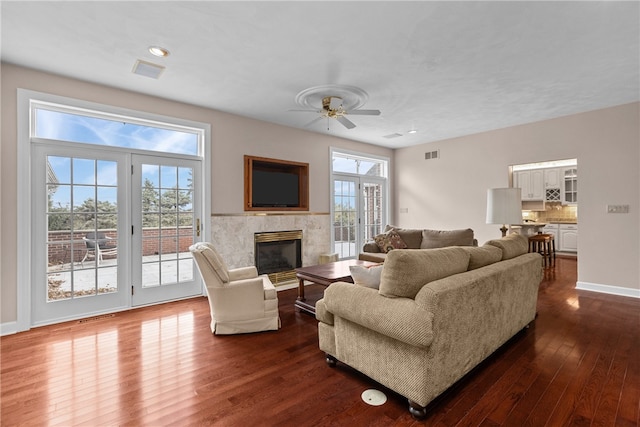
(322, 314)
(242, 273)
(397, 318)
(371, 247)
(372, 257)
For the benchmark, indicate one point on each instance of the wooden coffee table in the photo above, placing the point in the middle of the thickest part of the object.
(324, 274)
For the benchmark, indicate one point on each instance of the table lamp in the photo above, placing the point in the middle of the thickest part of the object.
(504, 206)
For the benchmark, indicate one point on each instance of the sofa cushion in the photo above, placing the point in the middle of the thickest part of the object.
(366, 276)
(412, 237)
(442, 238)
(512, 245)
(405, 272)
(482, 256)
(371, 247)
(389, 241)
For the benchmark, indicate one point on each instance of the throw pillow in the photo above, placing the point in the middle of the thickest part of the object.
(432, 239)
(411, 236)
(366, 276)
(389, 241)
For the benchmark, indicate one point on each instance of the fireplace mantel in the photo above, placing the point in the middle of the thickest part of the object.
(233, 234)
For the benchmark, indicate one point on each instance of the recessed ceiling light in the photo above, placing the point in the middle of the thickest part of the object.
(158, 51)
(412, 131)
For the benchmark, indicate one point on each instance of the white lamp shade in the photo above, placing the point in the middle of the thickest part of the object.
(504, 206)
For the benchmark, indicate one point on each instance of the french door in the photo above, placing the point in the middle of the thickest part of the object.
(358, 212)
(78, 236)
(165, 222)
(111, 230)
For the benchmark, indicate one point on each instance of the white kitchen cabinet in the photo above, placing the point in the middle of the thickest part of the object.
(570, 185)
(531, 182)
(552, 178)
(554, 230)
(568, 237)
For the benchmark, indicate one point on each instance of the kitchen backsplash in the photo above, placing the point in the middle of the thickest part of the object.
(553, 213)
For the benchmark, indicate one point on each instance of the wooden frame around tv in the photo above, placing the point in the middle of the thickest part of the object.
(252, 163)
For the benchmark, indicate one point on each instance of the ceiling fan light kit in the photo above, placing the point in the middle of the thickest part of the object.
(334, 102)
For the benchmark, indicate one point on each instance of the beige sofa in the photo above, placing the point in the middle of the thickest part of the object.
(437, 314)
(412, 238)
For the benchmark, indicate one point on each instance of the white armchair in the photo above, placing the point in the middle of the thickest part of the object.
(240, 300)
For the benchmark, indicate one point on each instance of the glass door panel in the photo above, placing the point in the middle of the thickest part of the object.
(372, 209)
(165, 225)
(78, 200)
(345, 217)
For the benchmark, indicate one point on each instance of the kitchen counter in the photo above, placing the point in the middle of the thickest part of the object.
(528, 228)
(563, 222)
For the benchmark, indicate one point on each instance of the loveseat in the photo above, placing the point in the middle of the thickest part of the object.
(412, 238)
(437, 314)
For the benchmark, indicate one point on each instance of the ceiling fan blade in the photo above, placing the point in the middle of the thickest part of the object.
(335, 102)
(346, 122)
(364, 112)
(306, 111)
(314, 121)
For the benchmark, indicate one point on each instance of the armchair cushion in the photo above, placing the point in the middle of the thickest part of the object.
(213, 262)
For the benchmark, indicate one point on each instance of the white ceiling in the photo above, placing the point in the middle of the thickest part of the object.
(445, 69)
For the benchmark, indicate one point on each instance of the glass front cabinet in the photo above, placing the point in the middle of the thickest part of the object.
(570, 185)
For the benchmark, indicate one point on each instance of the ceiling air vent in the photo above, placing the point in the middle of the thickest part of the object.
(147, 69)
(392, 135)
(432, 155)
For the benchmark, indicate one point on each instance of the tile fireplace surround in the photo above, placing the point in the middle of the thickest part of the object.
(232, 234)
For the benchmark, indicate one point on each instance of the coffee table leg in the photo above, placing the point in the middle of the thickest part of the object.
(301, 290)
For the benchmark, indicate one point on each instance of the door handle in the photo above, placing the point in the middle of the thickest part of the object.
(198, 227)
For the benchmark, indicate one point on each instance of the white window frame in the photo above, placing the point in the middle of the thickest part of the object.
(26, 98)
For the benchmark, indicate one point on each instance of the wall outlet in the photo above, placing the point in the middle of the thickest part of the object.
(617, 208)
(404, 210)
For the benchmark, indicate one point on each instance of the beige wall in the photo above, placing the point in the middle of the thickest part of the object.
(232, 137)
(446, 193)
(450, 192)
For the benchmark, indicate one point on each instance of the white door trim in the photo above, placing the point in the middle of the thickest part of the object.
(23, 204)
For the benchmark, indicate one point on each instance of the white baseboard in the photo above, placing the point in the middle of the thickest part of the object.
(8, 328)
(607, 289)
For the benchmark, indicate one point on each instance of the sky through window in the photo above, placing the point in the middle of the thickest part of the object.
(64, 126)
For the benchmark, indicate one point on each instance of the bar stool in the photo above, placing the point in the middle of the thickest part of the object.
(545, 245)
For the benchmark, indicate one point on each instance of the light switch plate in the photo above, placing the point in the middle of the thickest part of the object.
(617, 208)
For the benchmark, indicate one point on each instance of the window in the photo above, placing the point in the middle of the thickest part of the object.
(63, 124)
(359, 204)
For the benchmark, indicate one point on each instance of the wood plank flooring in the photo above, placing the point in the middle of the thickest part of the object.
(579, 364)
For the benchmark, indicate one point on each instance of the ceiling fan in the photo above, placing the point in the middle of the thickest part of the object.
(332, 109)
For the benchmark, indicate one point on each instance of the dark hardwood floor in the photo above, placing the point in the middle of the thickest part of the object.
(579, 364)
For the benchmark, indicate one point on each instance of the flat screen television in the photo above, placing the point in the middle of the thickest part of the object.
(272, 184)
(275, 189)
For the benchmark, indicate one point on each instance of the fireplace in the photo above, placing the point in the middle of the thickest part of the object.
(278, 254)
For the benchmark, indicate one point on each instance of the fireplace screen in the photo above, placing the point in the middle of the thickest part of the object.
(278, 254)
